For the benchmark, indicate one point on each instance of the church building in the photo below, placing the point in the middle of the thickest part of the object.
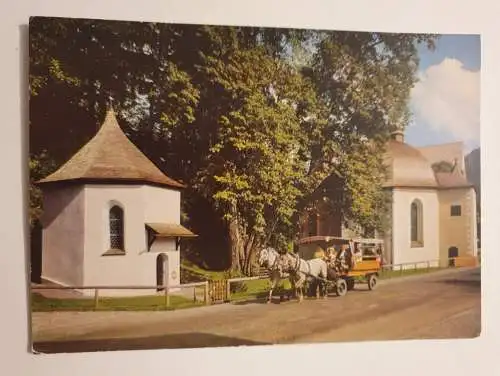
(432, 214)
(111, 218)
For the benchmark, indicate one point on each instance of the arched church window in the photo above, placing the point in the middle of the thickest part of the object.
(417, 224)
(116, 228)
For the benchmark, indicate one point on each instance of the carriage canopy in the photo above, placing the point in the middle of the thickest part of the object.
(369, 247)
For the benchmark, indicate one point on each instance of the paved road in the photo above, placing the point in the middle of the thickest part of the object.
(437, 305)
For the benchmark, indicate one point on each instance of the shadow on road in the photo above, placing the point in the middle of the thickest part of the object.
(261, 300)
(169, 341)
(472, 283)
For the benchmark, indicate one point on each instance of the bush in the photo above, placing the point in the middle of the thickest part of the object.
(235, 286)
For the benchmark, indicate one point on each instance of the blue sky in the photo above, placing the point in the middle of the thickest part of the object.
(445, 102)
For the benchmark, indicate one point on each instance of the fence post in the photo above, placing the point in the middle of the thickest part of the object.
(205, 293)
(228, 290)
(96, 298)
(428, 265)
(401, 269)
(194, 294)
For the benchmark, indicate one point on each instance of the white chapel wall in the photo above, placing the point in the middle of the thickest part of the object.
(138, 265)
(401, 226)
(161, 205)
(63, 235)
(133, 268)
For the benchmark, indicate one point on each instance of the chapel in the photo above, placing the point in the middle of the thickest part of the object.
(111, 218)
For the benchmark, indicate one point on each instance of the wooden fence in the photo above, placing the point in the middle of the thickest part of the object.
(166, 290)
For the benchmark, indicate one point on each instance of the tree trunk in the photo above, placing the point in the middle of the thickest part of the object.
(234, 244)
(250, 248)
(250, 260)
(242, 245)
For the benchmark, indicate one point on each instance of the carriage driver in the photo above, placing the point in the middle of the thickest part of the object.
(330, 258)
(319, 253)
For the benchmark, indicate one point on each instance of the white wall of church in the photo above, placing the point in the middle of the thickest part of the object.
(138, 266)
(403, 252)
(161, 205)
(63, 235)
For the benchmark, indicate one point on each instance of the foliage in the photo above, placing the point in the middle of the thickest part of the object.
(253, 119)
(40, 166)
(364, 80)
(253, 168)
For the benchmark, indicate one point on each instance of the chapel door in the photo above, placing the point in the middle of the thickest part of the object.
(161, 261)
(452, 253)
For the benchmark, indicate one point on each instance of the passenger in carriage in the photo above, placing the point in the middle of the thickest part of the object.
(330, 257)
(357, 254)
(343, 259)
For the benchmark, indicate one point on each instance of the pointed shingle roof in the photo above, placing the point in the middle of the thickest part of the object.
(110, 157)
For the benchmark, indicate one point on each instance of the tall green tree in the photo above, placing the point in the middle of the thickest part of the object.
(364, 81)
(253, 119)
(253, 149)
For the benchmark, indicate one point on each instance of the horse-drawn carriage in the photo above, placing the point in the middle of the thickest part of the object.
(325, 264)
(349, 261)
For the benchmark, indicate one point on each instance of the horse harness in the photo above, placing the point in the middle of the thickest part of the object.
(297, 266)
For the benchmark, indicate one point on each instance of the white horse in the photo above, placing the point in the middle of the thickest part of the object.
(299, 271)
(306, 270)
(270, 259)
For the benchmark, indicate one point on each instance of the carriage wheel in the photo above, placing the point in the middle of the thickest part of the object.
(372, 281)
(341, 287)
(350, 284)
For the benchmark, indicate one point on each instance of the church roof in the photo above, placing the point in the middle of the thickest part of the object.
(407, 167)
(452, 153)
(110, 157)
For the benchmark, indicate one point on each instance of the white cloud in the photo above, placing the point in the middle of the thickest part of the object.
(447, 98)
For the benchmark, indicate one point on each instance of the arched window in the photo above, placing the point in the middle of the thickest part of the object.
(116, 228)
(417, 224)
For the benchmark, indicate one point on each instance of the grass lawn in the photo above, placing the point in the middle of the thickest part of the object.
(386, 274)
(40, 303)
